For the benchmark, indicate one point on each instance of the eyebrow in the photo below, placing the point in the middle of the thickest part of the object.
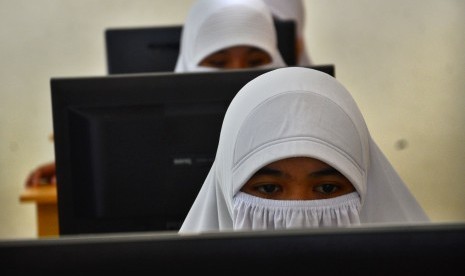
(255, 49)
(277, 173)
(220, 52)
(326, 172)
(269, 171)
(251, 50)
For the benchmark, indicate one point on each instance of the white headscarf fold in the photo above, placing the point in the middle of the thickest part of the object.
(292, 112)
(213, 25)
(292, 10)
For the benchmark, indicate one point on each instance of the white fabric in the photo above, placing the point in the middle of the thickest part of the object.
(212, 25)
(292, 10)
(255, 213)
(292, 112)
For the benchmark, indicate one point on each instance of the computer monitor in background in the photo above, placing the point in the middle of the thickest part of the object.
(156, 49)
(132, 150)
(141, 50)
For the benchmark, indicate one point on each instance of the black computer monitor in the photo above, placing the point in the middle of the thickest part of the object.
(383, 250)
(132, 150)
(156, 49)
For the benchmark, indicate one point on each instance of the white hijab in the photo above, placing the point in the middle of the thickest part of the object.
(292, 112)
(212, 25)
(292, 10)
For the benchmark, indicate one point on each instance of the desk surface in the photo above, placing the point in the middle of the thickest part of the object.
(45, 198)
(39, 194)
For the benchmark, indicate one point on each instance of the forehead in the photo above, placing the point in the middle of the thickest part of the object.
(238, 50)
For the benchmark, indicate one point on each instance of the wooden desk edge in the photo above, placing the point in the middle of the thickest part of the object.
(40, 194)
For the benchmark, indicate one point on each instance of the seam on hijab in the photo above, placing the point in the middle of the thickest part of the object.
(290, 139)
(297, 91)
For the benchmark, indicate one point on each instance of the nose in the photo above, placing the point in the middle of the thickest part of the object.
(237, 63)
(299, 191)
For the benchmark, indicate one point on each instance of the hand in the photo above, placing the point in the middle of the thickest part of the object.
(43, 175)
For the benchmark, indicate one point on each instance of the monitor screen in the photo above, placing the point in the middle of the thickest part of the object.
(381, 250)
(132, 150)
(155, 49)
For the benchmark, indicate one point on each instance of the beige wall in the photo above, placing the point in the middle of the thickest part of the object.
(403, 60)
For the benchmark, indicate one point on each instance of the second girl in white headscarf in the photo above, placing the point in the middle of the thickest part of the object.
(212, 26)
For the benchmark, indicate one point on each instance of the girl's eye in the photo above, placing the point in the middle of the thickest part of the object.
(326, 188)
(257, 62)
(217, 63)
(258, 59)
(268, 189)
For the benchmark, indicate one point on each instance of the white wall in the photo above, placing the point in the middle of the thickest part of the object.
(403, 60)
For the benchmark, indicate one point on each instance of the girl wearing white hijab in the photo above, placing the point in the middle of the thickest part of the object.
(293, 10)
(298, 112)
(213, 25)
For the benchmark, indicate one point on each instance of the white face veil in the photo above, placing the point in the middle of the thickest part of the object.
(292, 10)
(212, 25)
(291, 112)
